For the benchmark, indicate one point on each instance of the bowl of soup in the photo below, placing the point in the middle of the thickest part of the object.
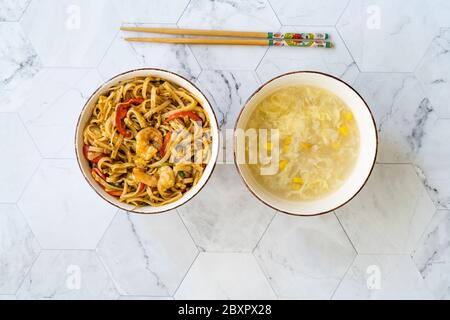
(305, 143)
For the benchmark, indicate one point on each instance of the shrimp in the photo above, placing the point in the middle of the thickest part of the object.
(166, 179)
(144, 177)
(148, 142)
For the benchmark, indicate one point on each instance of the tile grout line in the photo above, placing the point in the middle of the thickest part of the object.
(199, 248)
(275, 13)
(346, 234)
(348, 50)
(182, 13)
(343, 277)
(185, 275)
(275, 213)
(342, 13)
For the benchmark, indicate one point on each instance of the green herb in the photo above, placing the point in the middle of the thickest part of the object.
(181, 174)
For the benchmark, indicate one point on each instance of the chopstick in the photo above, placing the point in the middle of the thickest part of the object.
(237, 34)
(231, 41)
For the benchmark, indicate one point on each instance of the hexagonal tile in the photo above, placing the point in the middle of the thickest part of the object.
(53, 125)
(433, 161)
(22, 159)
(432, 255)
(382, 34)
(81, 30)
(224, 216)
(252, 15)
(227, 91)
(120, 57)
(59, 199)
(143, 11)
(390, 213)
(225, 276)
(124, 55)
(44, 88)
(336, 61)
(402, 112)
(18, 248)
(434, 72)
(305, 258)
(441, 11)
(74, 274)
(18, 60)
(311, 13)
(12, 10)
(147, 255)
(51, 113)
(383, 277)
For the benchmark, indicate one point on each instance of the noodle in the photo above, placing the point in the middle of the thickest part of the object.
(144, 139)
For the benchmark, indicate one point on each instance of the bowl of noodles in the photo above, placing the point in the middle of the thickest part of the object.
(147, 140)
(305, 143)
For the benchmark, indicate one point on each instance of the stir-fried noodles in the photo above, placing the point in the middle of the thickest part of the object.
(147, 141)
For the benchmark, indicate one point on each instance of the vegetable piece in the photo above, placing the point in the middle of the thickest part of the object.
(97, 159)
(141, 187)
(297, 180)
(348, 116)
(115, 193)
(101, 179)
(343, 130)
(305, 146)
(282, 164)
(86, 151)
(121, 113)
(92, 156)
(181, 174)
(166, 141)
(97, 171)
(190, 114)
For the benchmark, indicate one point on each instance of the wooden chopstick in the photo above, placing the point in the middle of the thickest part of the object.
(237, 34)
(231, 41)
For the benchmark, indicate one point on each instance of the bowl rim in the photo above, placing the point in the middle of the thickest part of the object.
(136, 209)
(290, 212)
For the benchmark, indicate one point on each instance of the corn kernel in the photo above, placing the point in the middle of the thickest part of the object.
(348, 116)
(343, 130)
(282, 164)
(305, 146)
(297, 180)
(287, 141)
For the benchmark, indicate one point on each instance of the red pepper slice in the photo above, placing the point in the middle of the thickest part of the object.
(97, 159)
(121, 113)
(115, 193)
(86, 151)
(97, 171)
(141, 187)
(182, 114)
(163, 150)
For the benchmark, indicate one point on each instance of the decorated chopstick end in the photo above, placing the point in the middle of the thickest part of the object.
(296, 43)
(298, 36)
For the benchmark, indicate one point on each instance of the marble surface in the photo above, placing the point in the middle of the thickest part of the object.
(59, 240)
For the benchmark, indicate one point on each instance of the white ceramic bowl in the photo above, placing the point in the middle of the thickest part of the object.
(364, 163)
(87, 111)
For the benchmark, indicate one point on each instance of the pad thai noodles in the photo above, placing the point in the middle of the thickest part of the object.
(148, 141)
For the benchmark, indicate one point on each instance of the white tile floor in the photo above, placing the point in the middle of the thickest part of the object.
(59, 240)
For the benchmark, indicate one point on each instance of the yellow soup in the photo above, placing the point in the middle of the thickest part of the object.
(318, 142)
